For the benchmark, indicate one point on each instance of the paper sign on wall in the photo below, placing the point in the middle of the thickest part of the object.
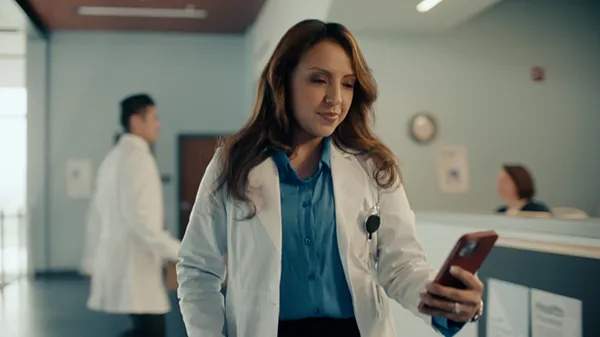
(79, 178)
(507, 309)
(555, 315)
(453, 169)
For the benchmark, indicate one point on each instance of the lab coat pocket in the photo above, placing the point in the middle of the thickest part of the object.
(255, 310)
(363, 246)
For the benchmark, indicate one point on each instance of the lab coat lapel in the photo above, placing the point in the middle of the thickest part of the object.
(349, 188)
(263, 182)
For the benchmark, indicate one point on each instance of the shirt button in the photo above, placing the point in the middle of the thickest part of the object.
(307, 241)
(312, 276)
(316, 311)
(306, 204)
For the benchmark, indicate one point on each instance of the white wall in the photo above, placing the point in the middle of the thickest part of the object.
(201, 84)
(197, 81)
(475, 81)
(37, 154)
(276, 17)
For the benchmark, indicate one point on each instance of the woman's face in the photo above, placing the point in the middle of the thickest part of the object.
(506, 187)
(322, 90)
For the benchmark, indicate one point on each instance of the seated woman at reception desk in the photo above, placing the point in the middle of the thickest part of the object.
(516, 187)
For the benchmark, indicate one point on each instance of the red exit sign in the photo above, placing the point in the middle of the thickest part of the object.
(538, 74)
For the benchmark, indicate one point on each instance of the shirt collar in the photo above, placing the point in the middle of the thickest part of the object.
(326, 154)
(129, 138)
(285, 167)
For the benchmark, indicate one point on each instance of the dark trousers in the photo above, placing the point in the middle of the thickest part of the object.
(319, 327)
(146, 325)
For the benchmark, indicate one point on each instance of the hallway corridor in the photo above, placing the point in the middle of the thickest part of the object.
(55, 307)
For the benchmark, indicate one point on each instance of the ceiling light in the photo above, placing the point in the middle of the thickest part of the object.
(427, 5)
(145, 12)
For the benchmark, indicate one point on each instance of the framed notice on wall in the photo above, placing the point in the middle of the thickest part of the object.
(453, 169)
(555, 315)
(79, 178)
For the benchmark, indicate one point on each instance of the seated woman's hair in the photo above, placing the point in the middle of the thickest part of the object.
(271, 125)
(522, 179)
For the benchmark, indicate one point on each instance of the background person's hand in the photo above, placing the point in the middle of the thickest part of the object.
(171, 281)
(455, 304)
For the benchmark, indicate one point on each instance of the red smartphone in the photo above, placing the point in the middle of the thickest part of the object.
(469, 253)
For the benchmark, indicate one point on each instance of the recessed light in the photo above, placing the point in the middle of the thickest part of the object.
(145, 12)
(427, 5)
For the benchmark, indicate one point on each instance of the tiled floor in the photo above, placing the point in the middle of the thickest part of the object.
(55, 307)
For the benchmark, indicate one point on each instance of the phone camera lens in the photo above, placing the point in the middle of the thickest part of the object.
(469, 248)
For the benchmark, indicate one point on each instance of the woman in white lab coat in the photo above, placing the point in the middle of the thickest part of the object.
(288, 198)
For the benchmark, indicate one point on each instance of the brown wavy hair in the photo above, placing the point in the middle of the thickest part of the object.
(522, 179)
(271, 125)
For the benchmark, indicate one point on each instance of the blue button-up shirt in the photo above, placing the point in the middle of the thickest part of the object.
(313, 283)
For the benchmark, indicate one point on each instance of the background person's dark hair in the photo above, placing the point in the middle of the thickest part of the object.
(522, 179)
(132, 105)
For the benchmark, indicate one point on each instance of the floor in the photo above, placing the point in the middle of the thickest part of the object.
(55, 307)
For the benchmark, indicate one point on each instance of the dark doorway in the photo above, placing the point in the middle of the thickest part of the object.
(195, 152)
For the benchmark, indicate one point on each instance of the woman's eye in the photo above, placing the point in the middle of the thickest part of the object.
(317, 80)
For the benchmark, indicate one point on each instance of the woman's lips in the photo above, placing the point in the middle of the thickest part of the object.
(329, 117)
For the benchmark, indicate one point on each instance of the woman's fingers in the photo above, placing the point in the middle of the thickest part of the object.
(455, 295)
(437, 303)
(459, 305)
(464, 314)
(471, 281)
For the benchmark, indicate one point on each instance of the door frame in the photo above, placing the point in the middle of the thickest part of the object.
(180, 138)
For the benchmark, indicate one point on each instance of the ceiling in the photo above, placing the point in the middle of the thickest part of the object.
(224, 16)
(401, 15)
(560, 1)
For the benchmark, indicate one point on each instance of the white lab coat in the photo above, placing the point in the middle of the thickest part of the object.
(93, 223)
(254, 254)
(93, 227)
(132, 244)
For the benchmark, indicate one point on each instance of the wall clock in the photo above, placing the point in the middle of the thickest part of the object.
(423, 128)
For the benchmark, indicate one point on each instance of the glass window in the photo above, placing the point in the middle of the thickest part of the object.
(13, 102)
(13, 182)
(13, 149)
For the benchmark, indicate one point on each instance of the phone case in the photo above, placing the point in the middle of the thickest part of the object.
(471, 263)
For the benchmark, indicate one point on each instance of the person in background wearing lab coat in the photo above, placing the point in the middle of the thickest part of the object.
(132, 247)
(92, 232)
(287, 198)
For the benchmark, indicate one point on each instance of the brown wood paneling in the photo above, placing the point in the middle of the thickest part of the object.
(224, 16)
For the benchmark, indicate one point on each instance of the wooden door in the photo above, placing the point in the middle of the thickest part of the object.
(195, 152)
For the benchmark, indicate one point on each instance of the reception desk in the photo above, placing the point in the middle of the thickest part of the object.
(556, 256)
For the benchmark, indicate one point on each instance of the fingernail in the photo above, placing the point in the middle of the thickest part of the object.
(453, 270)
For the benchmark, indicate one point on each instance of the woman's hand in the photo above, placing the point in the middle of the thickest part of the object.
(455, 304)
